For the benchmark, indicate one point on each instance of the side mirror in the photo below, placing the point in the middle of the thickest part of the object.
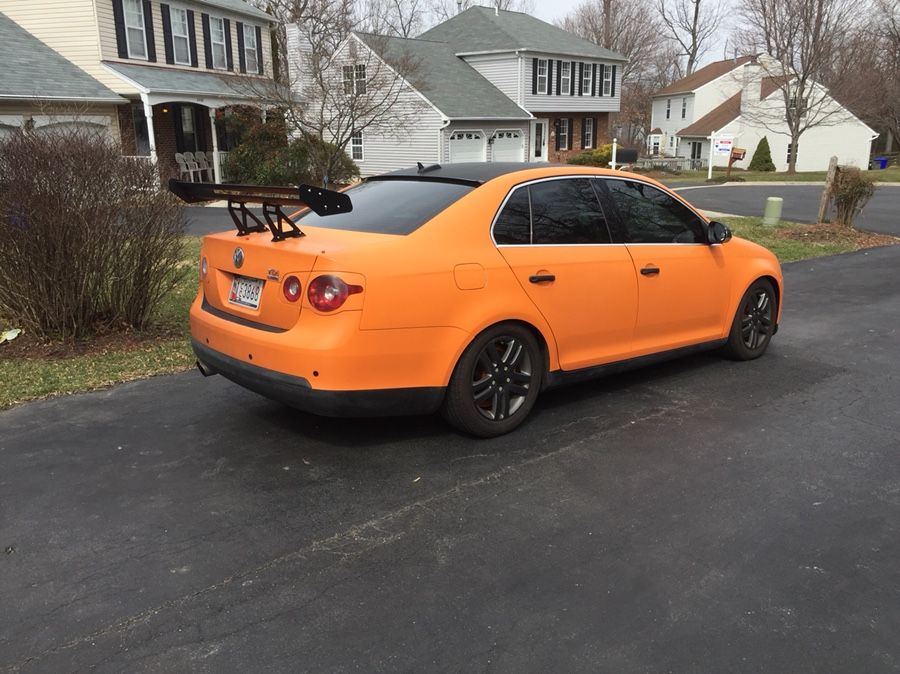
(718, 233)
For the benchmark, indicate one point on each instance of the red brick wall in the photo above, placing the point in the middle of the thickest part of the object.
(164, 128)
(601, 133)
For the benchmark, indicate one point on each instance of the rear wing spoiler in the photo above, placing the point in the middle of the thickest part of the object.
(318, 199)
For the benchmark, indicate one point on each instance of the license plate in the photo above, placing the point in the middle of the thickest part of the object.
(245, 291)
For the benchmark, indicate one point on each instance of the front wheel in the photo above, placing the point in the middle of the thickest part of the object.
(496, 382)
(754, 322)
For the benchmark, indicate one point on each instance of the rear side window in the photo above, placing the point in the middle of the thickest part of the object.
(390, 206)
(552, 212)
(649, 215)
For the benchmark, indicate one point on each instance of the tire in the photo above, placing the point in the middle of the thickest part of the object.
(496, 382)
(754, 322)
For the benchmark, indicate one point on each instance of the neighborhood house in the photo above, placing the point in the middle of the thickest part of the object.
(742, 99)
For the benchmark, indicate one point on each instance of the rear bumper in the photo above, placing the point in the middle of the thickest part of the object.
(297, 391)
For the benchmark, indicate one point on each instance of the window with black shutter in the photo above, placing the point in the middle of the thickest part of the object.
(229, 55)
(207, 45)
(613, 83)
(259, 51)
(192, 38)
(242, 61)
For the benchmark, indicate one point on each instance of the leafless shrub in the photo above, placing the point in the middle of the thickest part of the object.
(852, 191)
(89, 241)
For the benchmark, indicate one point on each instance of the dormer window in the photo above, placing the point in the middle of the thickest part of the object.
(135, 31)
(542, 76)
(250, 47)
(217, 42)
(565, 77)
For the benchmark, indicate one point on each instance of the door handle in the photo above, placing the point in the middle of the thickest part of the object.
(650, 271)
(542, 278)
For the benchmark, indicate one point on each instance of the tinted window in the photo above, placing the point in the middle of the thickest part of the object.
(566, 211)
(390, 206)
(649, 215)
(513, 225)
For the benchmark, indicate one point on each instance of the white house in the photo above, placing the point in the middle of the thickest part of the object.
(742, 98)
(490, 85)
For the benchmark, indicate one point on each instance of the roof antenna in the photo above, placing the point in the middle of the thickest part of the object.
(425, 169)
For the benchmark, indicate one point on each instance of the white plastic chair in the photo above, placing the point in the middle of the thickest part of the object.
(185, 167)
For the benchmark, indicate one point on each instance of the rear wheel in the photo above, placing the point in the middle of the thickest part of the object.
(496, 382)
(754, 322)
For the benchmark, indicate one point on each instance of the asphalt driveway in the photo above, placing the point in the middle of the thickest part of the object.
(801, 203)
(700, 516)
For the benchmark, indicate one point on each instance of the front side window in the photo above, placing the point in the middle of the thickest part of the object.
(553, 212)
(251, 60)
(135, 33)
(565, 77)
(683, 108)
(360, 72)
(542, 76)
(668, 108)
(390, 206)
(217, 42)
(790, 152)
(586, 78)
(588, 133)
(181, 40)
(563, 134)
(649, 215)
(356, 146)
(608, 82)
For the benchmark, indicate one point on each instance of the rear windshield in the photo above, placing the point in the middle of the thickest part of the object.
(390, 206)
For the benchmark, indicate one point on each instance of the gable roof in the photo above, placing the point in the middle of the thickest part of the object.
(240, 7)
(448, 82)
(715, 119)
(705, 75)
(34, 71)
(479, 29)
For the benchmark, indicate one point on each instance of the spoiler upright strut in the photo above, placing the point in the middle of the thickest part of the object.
(320, 200)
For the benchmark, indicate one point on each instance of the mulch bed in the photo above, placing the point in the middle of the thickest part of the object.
(31, 347)
(833, 233)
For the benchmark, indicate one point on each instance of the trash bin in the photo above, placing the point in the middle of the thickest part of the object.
(880, 162)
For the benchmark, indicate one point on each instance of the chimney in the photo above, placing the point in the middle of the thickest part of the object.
(751, 84)
(496, 10)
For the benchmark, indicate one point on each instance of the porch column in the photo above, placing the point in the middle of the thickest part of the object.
(217, 167)
(151, 132)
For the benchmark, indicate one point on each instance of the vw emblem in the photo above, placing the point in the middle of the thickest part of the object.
(238, 257)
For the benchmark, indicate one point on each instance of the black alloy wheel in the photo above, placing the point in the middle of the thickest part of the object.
(754, 323)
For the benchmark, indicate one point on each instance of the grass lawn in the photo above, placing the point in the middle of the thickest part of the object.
(891, 174)
(30, 369)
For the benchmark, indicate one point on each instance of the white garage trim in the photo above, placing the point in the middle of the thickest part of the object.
(471, 153)
(508, 145)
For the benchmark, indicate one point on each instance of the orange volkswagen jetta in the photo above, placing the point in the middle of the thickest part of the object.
(468, 288)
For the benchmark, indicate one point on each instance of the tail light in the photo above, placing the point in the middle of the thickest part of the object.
(327, 293)
(291, 288)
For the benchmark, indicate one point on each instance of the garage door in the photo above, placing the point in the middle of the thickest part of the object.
(509, 146)
(466, 146)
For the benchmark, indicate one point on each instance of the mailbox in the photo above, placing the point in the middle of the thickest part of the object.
(738, 153)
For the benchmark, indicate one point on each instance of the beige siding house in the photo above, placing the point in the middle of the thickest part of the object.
(173, 68)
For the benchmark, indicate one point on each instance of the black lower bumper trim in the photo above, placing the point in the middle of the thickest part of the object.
(297, 392)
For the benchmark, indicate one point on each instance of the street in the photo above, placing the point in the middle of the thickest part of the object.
(698, 516)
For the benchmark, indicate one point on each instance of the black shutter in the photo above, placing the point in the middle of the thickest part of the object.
(584, 133)
(242, 60)
(119, 20)
(596, 141)
(558, 121)
(259, 51)
(192, 38)
(229, 56)
(549, 77)
(534, 69)
(594, 79)
(167, 33)
(612, 91)
(148, 30)
(581, 79)
(600, 79)
(571, 140)
(558, 75)
(207, 45)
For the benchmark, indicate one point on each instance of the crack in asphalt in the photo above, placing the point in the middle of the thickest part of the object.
(354, 534)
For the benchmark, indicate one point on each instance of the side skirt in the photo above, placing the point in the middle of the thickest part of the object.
(565, 377)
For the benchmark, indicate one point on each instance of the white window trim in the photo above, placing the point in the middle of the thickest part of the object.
(607, 80)
(587, 79)
(565, 78)
(546, 64)
(250, 29)
(129, 28)
(588, 133)
(567, 135)
(187, 36)
(213, 43)
(360, 146)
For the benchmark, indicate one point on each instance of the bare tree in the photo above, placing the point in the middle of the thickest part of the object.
(692, 24)
(802, 36)
(399, 18)
(442, 10)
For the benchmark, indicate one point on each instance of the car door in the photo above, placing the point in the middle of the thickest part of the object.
(683, 282)
(553, 234)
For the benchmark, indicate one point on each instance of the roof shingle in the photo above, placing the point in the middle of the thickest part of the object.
(705, 75)
(484, 29)
(715, 119)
